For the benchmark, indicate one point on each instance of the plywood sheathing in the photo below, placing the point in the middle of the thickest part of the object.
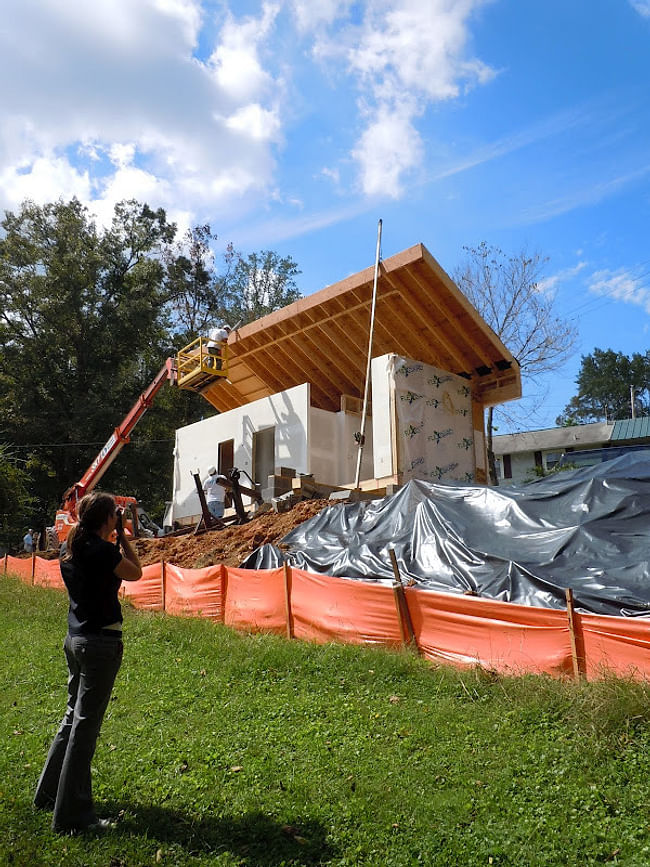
(323, 339)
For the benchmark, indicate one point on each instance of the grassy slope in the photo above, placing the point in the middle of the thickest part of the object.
(227, 749)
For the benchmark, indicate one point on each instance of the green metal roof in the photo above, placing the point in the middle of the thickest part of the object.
(631, 429)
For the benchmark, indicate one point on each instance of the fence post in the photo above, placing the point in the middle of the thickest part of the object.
(577, 645)
(6, 561)
(403, 614)
(164, 578)
(33, 567)
(287, 599)
(224, 589)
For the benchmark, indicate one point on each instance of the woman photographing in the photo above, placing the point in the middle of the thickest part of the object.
(93, 569)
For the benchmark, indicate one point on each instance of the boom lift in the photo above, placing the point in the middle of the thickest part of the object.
(193, 368)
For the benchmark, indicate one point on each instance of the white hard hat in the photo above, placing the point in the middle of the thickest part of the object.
(212, 471)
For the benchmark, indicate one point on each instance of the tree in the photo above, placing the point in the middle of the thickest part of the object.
(259, 284)
(15, 499)
(505, 290)
(193, 299)
(81, 325)
(246, 288)
(604, 383)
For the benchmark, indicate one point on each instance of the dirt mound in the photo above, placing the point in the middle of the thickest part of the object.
(230, 546)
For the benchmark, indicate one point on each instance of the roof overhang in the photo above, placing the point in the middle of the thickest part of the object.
(323, 338)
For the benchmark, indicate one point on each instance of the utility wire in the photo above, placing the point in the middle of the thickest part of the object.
(135, 443)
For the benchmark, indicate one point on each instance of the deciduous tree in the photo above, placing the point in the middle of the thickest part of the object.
(506, 292)
(81, 325)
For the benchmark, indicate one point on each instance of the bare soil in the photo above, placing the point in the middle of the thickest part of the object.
(230, 546)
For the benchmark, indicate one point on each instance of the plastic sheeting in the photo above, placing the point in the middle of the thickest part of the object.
(588, 530)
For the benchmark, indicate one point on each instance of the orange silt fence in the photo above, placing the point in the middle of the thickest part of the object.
(337, 609)
(22, 567)
(148, 592)
(194, 592)
(614, 645)
(446, 628)
(255, 600)
(47, 573)
(468, 631)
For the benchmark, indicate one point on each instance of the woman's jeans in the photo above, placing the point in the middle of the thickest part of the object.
(93, 663)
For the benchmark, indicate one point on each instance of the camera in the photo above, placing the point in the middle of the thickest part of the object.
(119, 527)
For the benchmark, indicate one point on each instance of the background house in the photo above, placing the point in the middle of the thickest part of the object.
(521, 456)
(295, 385)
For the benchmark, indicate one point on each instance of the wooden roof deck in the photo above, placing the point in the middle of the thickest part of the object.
(323, 339)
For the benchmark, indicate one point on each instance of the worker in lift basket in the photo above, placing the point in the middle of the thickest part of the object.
(215, 494)
(216, 339)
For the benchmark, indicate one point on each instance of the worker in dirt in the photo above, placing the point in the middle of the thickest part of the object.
(215, 493)
(28, 542)
(216, 339)
(92, 569)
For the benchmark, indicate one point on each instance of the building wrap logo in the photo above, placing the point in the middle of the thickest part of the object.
(413, 430)
(465, 390)
(437, 381)
(439, 472)
(438, 435)
(406, 370)
(466, 443)
(416, 462)
(434, 402)
(411, 397)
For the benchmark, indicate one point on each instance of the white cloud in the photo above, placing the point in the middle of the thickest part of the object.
(113, 85)
(405, 55)
(238, 69)
(333, 174)
(642, 7)
(122, 155)
(550, 284)
(622, 285)
(187, 101)
(312, 14)
(46, 178)
(257, 122)
(389, 147)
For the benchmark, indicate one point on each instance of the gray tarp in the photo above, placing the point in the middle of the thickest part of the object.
(588, 529)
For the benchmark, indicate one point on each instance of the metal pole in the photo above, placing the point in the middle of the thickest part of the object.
(362, 432)
(632, 401)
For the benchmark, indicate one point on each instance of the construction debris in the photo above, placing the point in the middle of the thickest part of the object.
(230, 546)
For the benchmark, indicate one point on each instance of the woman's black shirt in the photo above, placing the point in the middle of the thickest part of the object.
(92, 587)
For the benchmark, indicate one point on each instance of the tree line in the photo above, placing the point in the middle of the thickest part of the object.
(88, 315)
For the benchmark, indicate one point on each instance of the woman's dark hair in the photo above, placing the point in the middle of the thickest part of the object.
(93, 511)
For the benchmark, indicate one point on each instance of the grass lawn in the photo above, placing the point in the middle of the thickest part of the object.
(228, 749)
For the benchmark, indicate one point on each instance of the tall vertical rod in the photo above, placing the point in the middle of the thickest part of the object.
(362, 432)
(632, 413)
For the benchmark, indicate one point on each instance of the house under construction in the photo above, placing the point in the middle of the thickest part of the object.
(293, 395)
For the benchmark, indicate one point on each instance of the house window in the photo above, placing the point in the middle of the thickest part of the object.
(507, 467)
(538, 459)
(552, 459)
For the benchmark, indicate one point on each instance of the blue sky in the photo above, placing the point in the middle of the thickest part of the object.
(295, 125)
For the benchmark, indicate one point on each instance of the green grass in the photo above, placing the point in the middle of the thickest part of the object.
(230, 749)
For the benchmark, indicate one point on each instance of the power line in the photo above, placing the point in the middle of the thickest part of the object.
(133, 443)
